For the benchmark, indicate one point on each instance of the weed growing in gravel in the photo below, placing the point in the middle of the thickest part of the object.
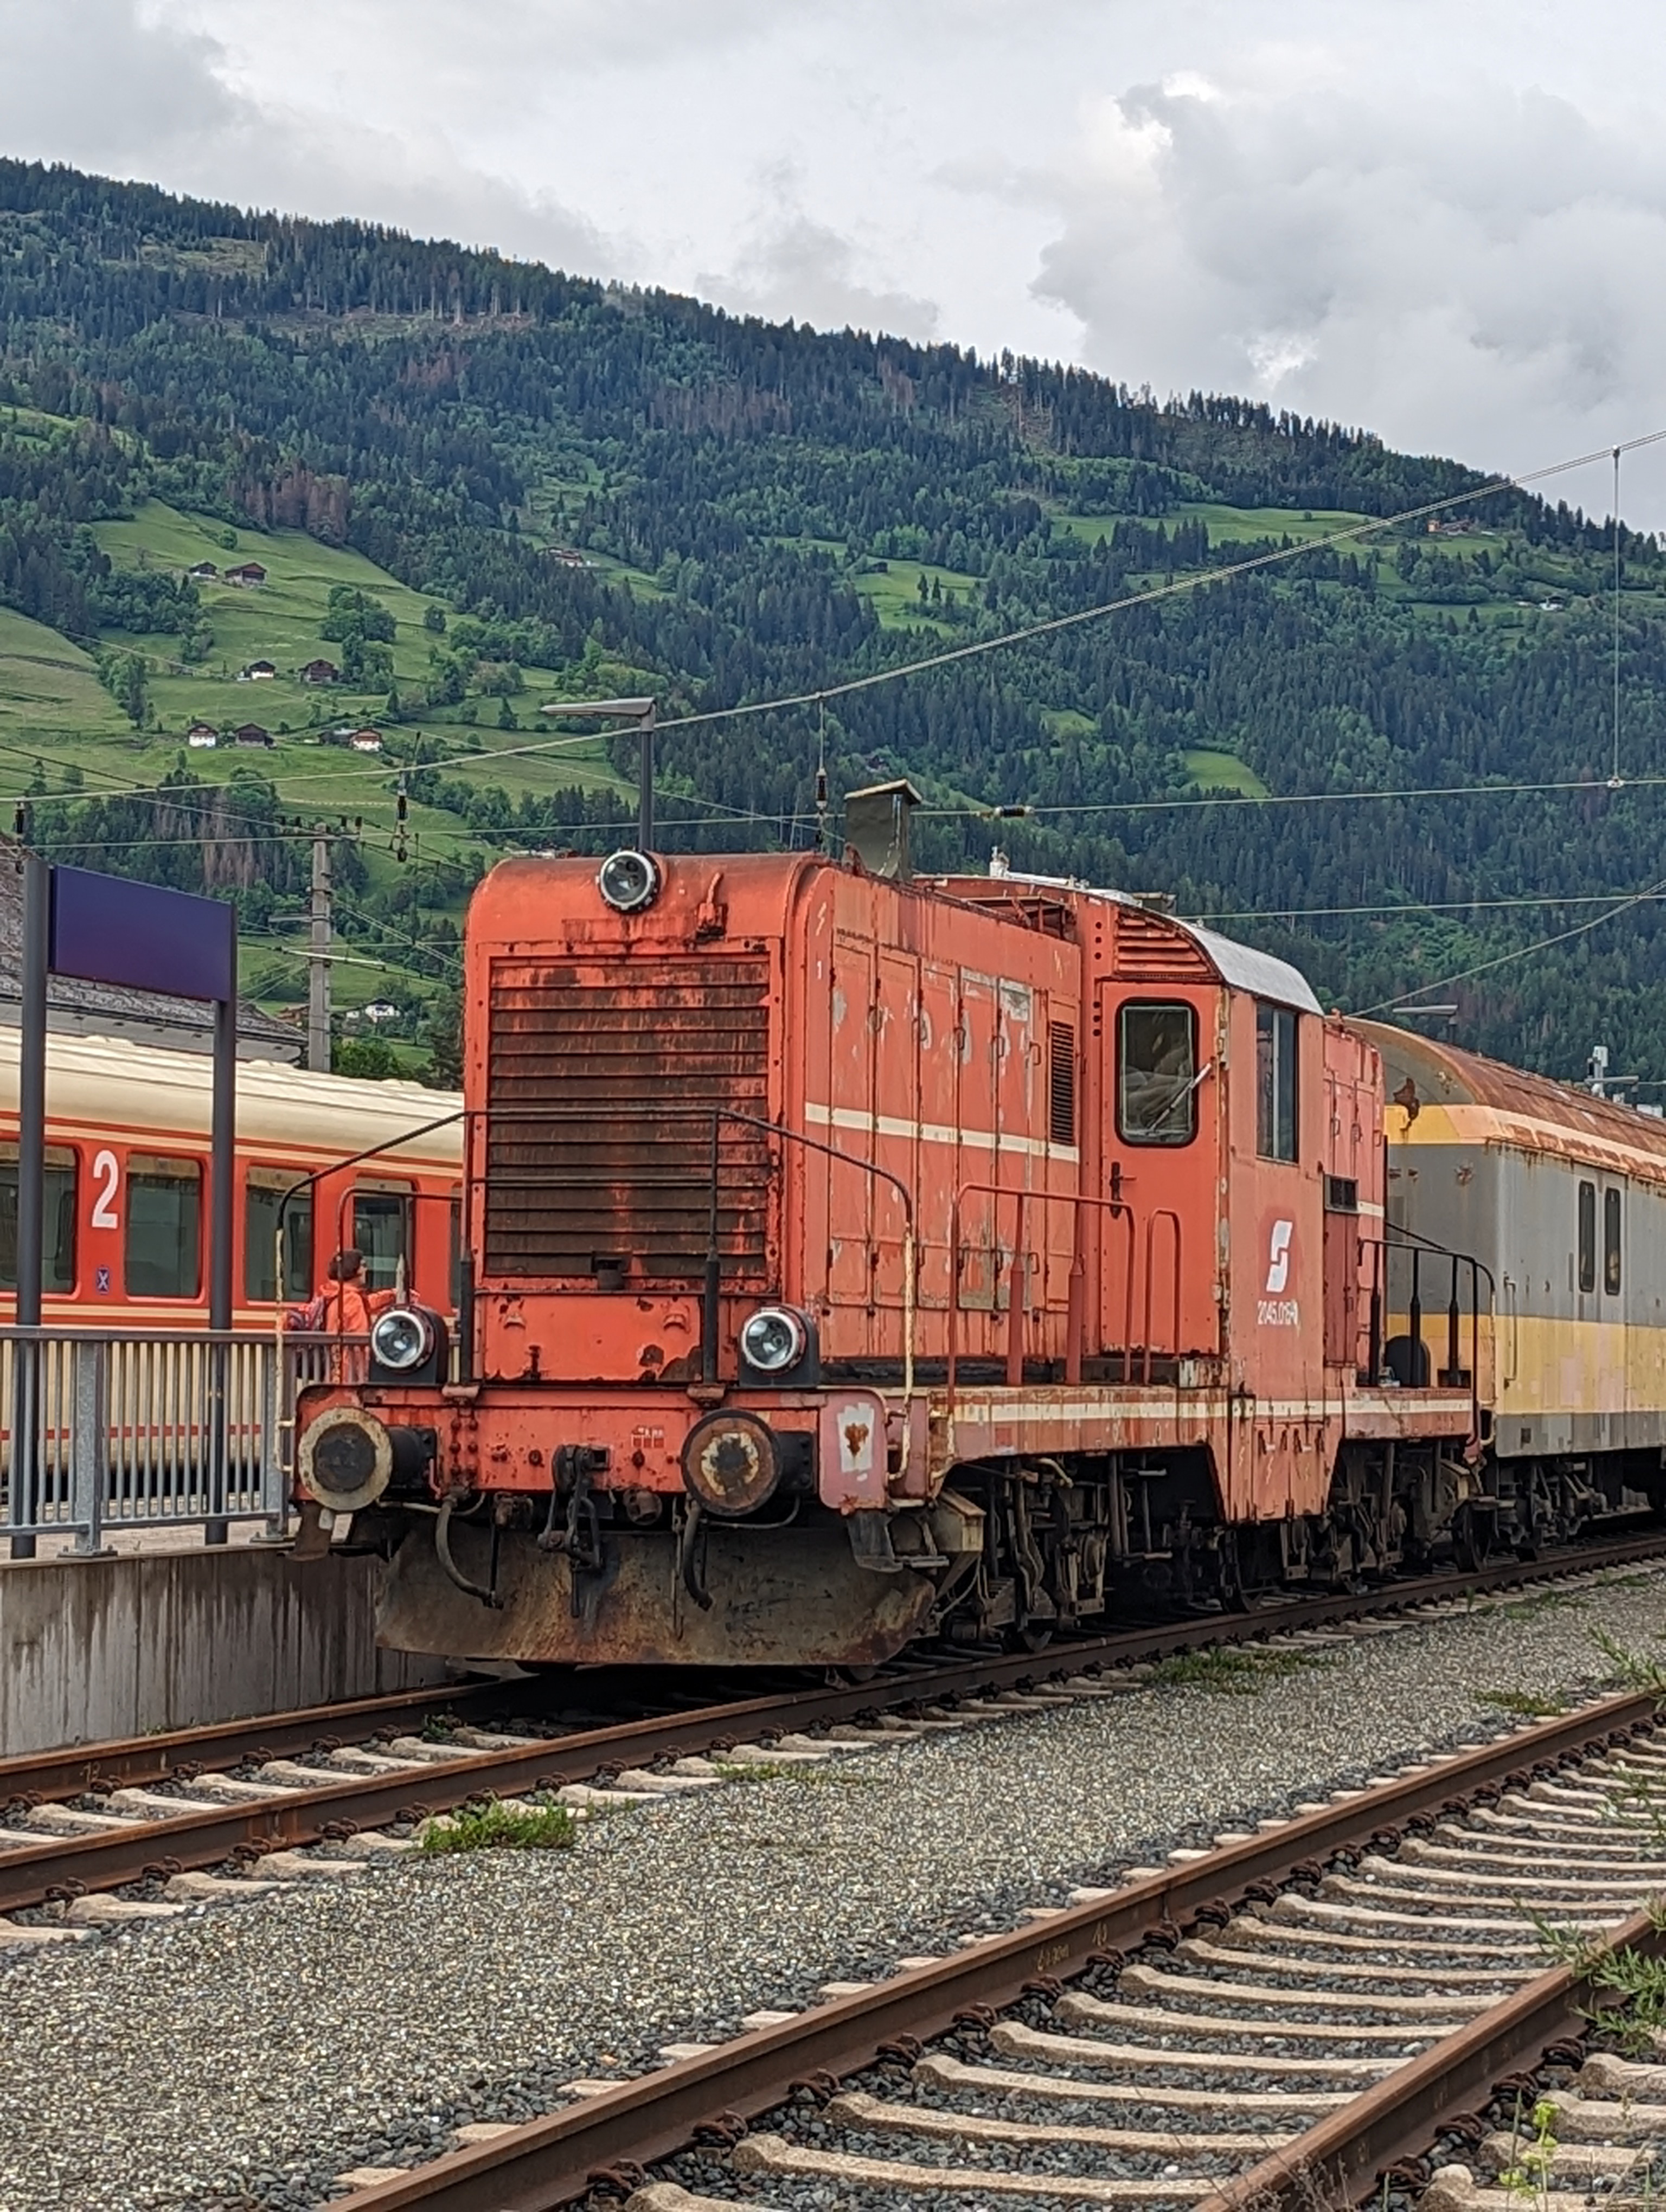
(1231, 1672)
(1522, 1704)
(437, 1728)
(1636, 1980)
(1529, 2173)
(501, 1827)
(778, 1770)
(1528, 1608)
(1630, 1668)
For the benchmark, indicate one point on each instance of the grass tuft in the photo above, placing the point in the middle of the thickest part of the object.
(1522, 1704)
(1632, 1670)
(496, 1827)
(1635, 1980)
(1230, 1672)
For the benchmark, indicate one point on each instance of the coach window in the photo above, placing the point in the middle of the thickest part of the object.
(381, 1230)
(1275, 1082)
(162, 1258)
(1156, 1078)
(264, 1193)
(1611, 1242)
(1588, 1235)
(58, 1270)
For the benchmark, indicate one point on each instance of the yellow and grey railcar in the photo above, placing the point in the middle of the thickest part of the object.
(1560, 1199)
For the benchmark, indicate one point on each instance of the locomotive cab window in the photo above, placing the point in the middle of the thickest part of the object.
(1611, 1242)
(1157, 1074)
(163, 1254)
(381, 1230)
(1275, 1082)
(264, 1192)
(1587, 1253)
(58, 1236)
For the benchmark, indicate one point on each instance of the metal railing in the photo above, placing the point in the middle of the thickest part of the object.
(1401, 1260)
(108, 1430)
(1020, 1264)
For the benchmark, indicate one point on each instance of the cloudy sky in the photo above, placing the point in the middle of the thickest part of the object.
(1446, 218)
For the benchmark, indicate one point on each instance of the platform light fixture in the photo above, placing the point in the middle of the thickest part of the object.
(643, 712)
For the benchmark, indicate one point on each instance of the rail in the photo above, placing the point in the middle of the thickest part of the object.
(1021, 1264)
(111, 1431)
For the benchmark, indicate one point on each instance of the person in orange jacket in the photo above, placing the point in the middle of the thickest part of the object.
(344, 1307)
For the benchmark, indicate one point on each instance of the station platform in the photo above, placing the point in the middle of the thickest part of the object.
(170, 1633)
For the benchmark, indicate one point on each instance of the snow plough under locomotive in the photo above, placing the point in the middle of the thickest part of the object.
(852, 1258)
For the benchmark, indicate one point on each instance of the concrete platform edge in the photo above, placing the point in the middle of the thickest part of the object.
(116, 1647)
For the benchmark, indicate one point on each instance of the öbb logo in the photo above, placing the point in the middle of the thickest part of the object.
(1275, 1311)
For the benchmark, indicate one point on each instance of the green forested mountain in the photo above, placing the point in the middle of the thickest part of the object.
(518, 486)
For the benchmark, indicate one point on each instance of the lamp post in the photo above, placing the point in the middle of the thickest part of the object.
(642, 713)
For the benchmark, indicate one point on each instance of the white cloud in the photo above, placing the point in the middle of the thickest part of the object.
(1472, 275)
(795, 269)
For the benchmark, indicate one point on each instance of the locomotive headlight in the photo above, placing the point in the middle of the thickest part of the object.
(402, 1339)
(628, 881)
(774, 1340)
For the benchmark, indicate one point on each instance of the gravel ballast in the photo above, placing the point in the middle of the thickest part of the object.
(245, 2055)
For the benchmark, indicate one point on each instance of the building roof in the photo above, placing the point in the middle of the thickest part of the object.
(111, 1010)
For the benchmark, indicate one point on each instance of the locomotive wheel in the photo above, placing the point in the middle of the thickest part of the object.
(1232, 1591)
(1471, 1538)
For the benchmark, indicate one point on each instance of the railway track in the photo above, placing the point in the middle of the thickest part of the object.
(162, 1813)
(1272, 2024)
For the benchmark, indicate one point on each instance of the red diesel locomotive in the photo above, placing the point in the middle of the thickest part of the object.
(853, 1259)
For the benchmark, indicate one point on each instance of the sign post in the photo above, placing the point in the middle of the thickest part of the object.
(108, 929)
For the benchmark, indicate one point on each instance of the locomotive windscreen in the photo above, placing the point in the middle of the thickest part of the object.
(601, 1085)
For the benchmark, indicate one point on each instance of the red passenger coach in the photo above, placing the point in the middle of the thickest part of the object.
(858, 1259)
(128, 1174)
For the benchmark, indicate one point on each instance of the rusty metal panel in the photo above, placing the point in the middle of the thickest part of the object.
(1151, 950)
(601, 1086)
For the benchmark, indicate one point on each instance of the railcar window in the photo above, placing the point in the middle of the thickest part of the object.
(1275, 1082)
(264, 1190)
(1588, 1235)
(1157, 1084)
(1611, 1243)
(58, 1257)
(162, 1257)
(381, 1230)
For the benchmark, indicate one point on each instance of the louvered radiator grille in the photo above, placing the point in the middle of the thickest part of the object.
(1149, 949)
(598, 1133)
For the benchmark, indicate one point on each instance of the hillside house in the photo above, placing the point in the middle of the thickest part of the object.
(202, 572)
(258, 671)
(321, 672)
(203, 737)
(366, 741)
(245, 572)
(252, 733)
